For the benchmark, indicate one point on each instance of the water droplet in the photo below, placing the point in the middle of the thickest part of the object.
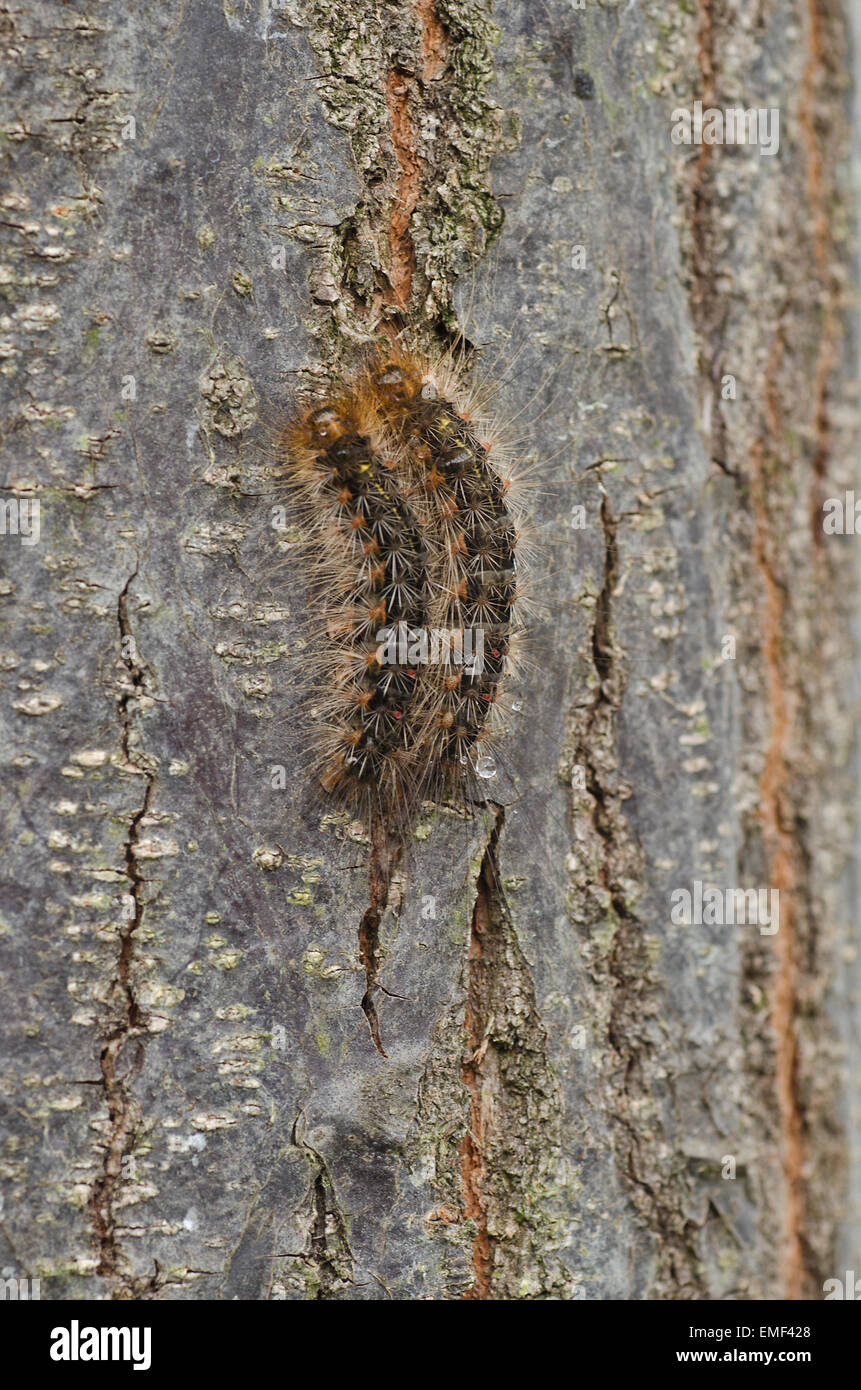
(517, 706)
(485, 766)
(428, 391)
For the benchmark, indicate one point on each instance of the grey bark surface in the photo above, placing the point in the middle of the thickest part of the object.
(193, 1103)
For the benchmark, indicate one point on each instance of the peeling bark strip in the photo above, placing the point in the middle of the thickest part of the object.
(123, 1108)
(783, 851)
(434, 39)
(510, 1154)
(779, 441)
(402, 94)
(422, 119)
(402, 251)
(710, 318)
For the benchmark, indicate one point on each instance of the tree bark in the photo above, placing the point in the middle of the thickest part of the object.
(207, 208)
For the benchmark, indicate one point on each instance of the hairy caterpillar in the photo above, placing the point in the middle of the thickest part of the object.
(367, 570)
(410, 533)
(443, 455)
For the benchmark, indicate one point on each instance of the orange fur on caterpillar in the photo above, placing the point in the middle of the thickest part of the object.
(364, 558)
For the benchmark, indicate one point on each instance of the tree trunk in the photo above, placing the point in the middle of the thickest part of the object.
(208, 207)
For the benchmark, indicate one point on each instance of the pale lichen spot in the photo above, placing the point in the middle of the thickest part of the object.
(314, 963)
(37, 705)
(209, 1121)
(268, 857)
(152, 848)
(91, 757)
(227, 960)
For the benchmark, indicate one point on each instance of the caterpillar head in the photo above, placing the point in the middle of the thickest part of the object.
(326, 425)
(395, 382)
(315, 429)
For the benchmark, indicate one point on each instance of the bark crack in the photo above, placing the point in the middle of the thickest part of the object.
(510, 1155)
(386, 851)
(478, 1021)
(118, 1075)
(328, 1246)
(620, 962)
